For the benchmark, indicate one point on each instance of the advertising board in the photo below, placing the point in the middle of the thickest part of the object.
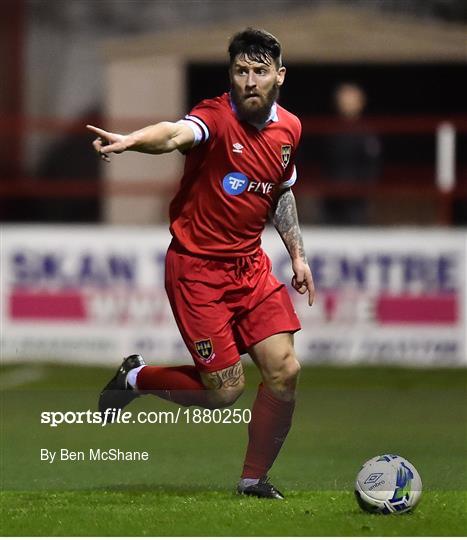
(96, 294)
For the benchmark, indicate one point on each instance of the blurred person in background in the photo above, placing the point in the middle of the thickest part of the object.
(65, 161)
(352, 156)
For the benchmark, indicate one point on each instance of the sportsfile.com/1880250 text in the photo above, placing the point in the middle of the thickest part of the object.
(117, 416)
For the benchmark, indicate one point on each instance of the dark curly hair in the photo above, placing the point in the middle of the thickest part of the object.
(258, 45)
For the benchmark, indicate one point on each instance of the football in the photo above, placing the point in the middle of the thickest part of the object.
(388, 484)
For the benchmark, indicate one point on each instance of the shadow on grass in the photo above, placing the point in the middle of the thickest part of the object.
(161, 488)
(132, 489)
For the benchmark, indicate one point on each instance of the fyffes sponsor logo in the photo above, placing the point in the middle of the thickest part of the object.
(236, 183)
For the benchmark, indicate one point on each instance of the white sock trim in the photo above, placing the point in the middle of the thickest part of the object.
(131, 377)
(247, 482)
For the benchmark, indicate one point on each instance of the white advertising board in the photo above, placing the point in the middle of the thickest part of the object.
(96, 294)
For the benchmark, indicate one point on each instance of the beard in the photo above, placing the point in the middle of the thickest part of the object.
(254, 114)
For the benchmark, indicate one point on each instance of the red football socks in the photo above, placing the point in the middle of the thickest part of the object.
(181, 384)
(270, 422)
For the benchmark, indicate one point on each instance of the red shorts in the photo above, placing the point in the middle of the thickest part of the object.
(223, 307)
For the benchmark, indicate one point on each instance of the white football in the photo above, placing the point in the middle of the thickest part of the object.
(388, 484)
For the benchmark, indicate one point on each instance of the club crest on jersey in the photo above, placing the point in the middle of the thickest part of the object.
(205, 349)
(286, 150)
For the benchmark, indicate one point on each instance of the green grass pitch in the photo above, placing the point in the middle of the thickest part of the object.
(343, 417)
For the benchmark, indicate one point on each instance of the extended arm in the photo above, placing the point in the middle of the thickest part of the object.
(285, 220)
(160, 138)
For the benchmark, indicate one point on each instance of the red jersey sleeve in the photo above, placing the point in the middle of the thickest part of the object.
(206, 116)
(290, 172)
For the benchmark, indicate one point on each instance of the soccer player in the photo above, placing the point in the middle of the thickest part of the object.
(239, 171)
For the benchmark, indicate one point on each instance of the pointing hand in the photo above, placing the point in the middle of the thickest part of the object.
(108, 142)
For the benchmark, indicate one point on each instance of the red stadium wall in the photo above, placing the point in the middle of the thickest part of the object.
(11, 89)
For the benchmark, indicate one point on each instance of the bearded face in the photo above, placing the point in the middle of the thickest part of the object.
(254, 88)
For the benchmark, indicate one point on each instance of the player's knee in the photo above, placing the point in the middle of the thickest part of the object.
(288, 374)
(225, 397)
(283, 378)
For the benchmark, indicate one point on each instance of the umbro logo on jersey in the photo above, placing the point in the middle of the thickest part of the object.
(237, 148)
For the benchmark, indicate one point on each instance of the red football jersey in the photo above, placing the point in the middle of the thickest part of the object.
(231, 179)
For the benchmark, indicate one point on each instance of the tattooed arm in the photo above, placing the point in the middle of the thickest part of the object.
(285, 220)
